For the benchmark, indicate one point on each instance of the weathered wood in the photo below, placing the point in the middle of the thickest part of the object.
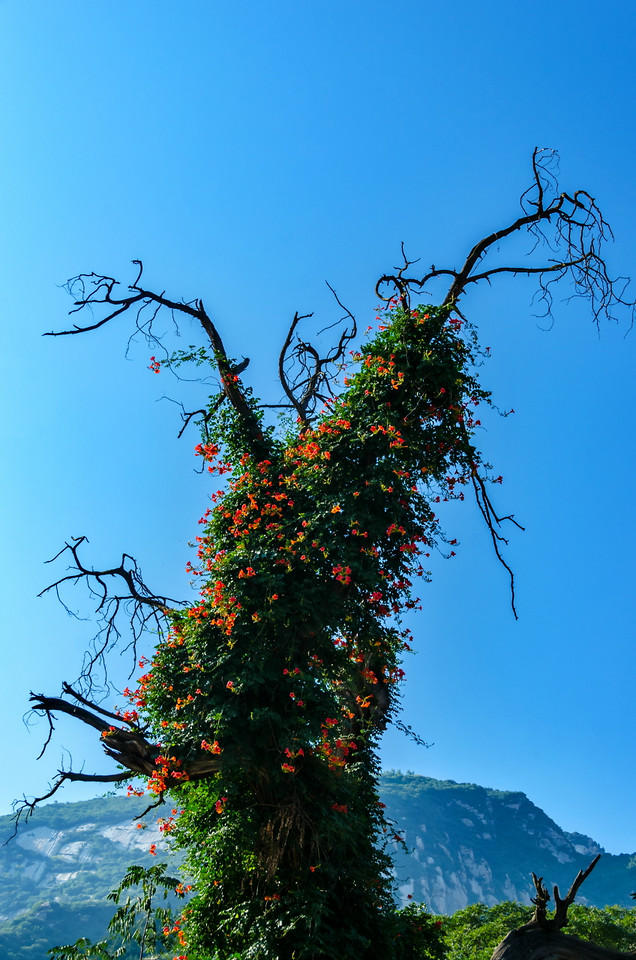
(543, 939)
(532, 942)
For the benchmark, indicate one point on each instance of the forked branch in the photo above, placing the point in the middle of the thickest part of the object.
(93, 290)
(124, 740)
(543, 939)
(307, 377)
(136, 589)
(542, 898)
(142, 607)
(562, 904)
(569, 225)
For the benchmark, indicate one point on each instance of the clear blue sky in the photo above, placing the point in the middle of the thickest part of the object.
(249, 152)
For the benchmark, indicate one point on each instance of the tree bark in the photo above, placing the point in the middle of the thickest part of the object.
(533, 942)
(542, 938)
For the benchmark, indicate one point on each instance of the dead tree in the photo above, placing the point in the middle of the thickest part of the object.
(567, 232)
(543, 937)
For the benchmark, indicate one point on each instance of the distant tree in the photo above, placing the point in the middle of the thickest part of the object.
(261, 707)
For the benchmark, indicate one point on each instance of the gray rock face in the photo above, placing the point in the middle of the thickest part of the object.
(465, 844)
(74, 852)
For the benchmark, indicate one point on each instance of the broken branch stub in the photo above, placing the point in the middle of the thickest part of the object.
(543, 939)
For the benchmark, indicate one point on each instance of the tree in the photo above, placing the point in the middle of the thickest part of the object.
(263, 702)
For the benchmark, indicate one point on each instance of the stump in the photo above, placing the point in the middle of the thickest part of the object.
(543, 939)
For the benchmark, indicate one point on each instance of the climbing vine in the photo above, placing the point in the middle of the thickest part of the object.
(261, 707)
(287, 667)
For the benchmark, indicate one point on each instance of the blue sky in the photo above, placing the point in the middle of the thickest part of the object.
(247, 153)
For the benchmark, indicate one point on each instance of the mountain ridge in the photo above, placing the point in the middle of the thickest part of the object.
(468, 844)
(461, 844)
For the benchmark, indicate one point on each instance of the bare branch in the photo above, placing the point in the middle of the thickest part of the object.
(137, 589)
(151, 806)
(127, 745)
(306, 376)
(206, 416)
(26, 808)
(69, 691)
(493, 522)
(542, 938)
(287, 386)
(561, 905)
(92, 290)
(540, 901)
(569, 224)
(402, 283)
(142, 607)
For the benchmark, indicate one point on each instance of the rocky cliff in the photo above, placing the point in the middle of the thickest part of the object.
(462, 844)
(73, 852)
(465, 844)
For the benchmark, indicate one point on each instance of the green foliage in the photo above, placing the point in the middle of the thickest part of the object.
(77, 871)
(612, 927)
(193, 355)
(418, 934)
(30, 936)
(139, 927)
(473, 933)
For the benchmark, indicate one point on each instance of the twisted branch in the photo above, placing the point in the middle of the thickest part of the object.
(125, 743)
(542, 897)
(307, 377)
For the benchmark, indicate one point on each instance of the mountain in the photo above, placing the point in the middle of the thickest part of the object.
(466, 844)
(72, 852)
(462, 844)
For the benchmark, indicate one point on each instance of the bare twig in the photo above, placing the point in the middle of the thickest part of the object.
(578, 232)
(306, 376)
(91, 290)
(143, 608)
